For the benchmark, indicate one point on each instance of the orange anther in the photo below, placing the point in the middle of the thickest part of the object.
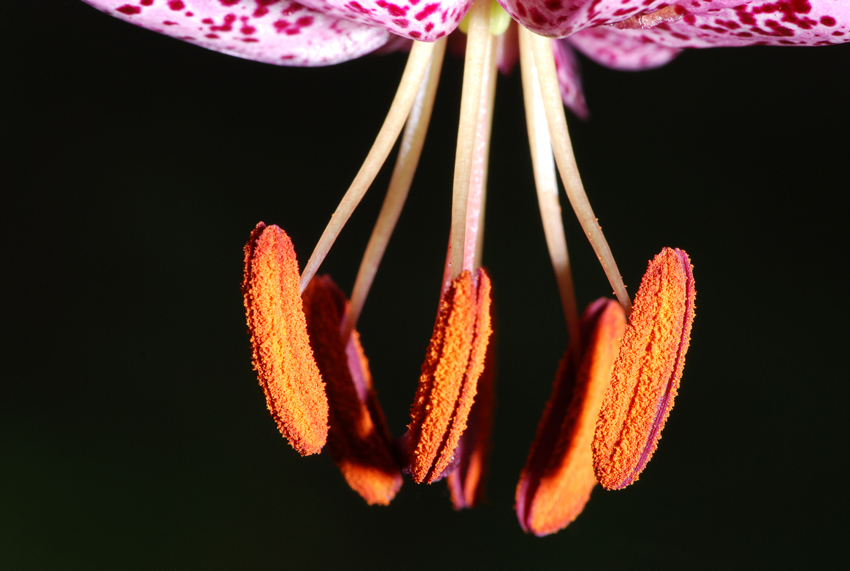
(647, 372)
(558, 476)
(467, 482)
(295, 393)
(359, 440)
(449, 377)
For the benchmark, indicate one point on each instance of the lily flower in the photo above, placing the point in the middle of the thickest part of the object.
(623, 34)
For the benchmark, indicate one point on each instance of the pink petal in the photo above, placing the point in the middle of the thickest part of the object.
(569, 78)
(507, 49)
(424, 20)
(560, 18)
(760, 22)
(621, 49)
(272, 31)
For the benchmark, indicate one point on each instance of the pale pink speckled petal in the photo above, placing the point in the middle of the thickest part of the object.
(424, 20)
(561, 18)
(759, 22)
(569, 78)
(620, 49)
(281, 32)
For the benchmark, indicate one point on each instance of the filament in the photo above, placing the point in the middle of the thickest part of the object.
(544, 61)
(411, 79)
(409, 152)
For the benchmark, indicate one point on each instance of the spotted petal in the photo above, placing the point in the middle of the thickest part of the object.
(272, 31)
(620, 49)
(569, 78)
(760, 22)
(561, 18)
(424, 20)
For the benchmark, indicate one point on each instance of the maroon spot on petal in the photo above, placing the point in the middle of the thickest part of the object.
(176, 5)
(146, 2)
(401, 22)
(537, 16)
(129, 10)
(747, 19)
(212, 36)
(250, 40)
(690, 19)
(778, 28)
(801, 6)
(304, 21)
(393, 9)
(520, 10)
(417, 35)
(553, 4)
(426, 11)
(827, 20)
(229, 2)
(248, 30)
(429, 26)
(837, 33)
(292, 31)
(169, 23)
(358, 8)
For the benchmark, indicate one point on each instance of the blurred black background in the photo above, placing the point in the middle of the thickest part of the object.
(132, 429)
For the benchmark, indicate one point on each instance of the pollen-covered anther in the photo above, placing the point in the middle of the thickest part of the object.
(359, 440)
(558, 477)
(295, 393)
(449, 378)
(647, 372)
(467, 483)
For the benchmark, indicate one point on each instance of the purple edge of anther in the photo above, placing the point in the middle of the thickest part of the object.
(663, 405)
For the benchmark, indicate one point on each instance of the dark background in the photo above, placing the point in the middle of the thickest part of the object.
(133, 433)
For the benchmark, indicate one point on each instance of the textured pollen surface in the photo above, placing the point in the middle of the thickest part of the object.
(281, 32)
(295, 393)
(447, 386)
(647, 371)
(558, 477)
(467, 484)
(358, 440)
